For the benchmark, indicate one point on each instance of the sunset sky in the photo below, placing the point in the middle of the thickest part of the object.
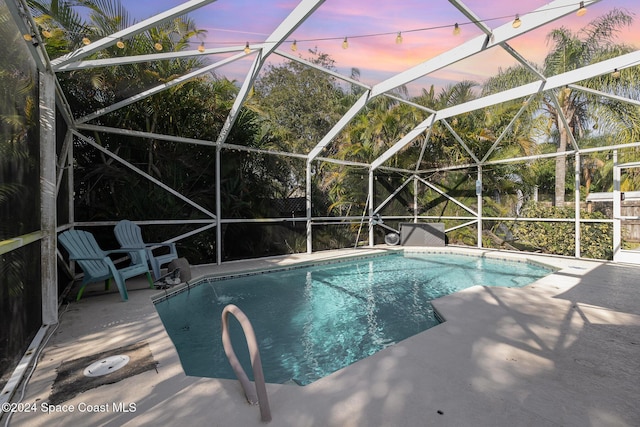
(426, 28)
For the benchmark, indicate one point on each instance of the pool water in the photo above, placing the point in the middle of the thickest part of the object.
(312, 321)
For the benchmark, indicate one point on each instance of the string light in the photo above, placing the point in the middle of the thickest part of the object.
(616, 74)
(516, 22)
(582, 10)
(457, 30)
(30, 38)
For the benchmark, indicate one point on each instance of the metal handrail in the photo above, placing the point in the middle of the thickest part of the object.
(260, 394)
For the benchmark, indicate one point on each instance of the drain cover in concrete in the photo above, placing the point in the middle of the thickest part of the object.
(106, 366)
(72, 380)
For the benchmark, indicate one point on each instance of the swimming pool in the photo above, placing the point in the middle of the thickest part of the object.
(314, 320)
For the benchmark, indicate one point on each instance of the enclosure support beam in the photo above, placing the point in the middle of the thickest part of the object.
(617, 212)
(62, 162)
(131, 31)
(460, 140)
(395, 193)
(160, 88)
(443, 194)
(71, 203)
(502, 34)
(553, 82)
(371, 208)
(302, 11)
(218, 207)
(479, 195)
(48, 258)
(415, 199)
(308, 209)
(576, 178)
(144, 174)
(425, 142)
(344, 120)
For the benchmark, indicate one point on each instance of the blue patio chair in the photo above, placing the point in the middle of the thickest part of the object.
(97, 265)
(130, 237)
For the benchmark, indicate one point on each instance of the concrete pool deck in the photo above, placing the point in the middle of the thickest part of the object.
(564, 351)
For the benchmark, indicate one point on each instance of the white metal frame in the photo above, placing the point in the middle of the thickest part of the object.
(620, 254)
(496, 37)
(491, 38)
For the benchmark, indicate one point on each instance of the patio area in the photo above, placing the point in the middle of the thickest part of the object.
(501, 129)
(560, 352)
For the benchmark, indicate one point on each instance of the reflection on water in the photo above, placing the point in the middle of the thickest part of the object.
(312, 321)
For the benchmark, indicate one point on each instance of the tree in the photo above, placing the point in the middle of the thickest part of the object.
(299, 104)
(593, 43)
(197, 108)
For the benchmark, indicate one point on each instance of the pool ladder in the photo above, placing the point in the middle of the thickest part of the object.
(259, 395)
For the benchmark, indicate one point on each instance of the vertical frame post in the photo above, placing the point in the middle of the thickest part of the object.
(479, 195)
(308, 208)
(577, 203)
(415, 199)
(218, 207)
(48, 260)
(371, 208)
(617, 209)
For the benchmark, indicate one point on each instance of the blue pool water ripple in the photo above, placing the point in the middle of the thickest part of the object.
(313, 321)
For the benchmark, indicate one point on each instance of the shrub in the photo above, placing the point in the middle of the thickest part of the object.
(596, 239)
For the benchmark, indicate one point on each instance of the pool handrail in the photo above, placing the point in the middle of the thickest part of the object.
(260, 394)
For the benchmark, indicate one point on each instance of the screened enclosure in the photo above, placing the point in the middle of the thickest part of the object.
(281, 144)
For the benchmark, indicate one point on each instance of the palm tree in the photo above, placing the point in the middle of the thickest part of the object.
(374, 130)
(442, 149)
(196, 108)
(570, 51)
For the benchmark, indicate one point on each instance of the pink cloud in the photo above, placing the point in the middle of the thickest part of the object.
(372, 27)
